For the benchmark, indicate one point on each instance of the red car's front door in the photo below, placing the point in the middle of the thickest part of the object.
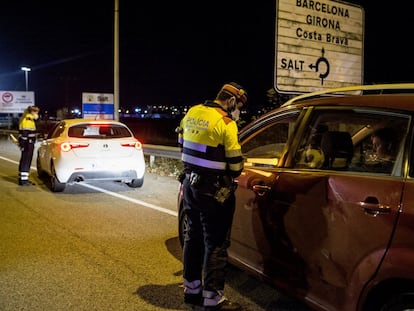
(321, 233)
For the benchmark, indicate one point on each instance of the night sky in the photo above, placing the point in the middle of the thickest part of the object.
(171, 52)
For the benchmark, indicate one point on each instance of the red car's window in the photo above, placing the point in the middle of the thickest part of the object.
(349, 139)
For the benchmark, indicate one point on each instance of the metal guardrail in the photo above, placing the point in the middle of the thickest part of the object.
(7, 132)
(151, 150)
(162, 151)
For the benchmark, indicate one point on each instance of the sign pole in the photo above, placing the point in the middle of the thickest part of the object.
(116, 61)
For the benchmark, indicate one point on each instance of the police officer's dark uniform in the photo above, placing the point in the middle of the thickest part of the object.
(27, 139)
(212, 157)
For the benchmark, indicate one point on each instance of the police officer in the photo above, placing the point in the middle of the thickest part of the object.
(212, 158)
(27, 139)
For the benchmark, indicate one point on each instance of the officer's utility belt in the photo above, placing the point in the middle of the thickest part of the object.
(218, 186)
(28, 134)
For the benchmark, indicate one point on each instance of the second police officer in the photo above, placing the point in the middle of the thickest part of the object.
(27, 139)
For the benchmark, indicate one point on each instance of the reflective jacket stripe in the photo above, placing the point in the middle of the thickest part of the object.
(236, 167)
(194, 146)
(204, 163)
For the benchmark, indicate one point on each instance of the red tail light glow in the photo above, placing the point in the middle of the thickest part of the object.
(69, 146)
(137, 145)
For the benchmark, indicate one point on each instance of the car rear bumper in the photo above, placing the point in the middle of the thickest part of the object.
(124, 176)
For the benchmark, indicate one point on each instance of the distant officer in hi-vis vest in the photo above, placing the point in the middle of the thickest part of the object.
(27, 139)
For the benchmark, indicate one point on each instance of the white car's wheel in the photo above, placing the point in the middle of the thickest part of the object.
(40, 172)
(136, 183)
(55, 184)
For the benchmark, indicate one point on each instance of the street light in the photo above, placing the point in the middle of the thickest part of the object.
(26, 75)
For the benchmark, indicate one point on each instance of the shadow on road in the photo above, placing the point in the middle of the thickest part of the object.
(262, 295)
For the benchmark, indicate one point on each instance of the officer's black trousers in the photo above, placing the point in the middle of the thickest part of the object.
(27, 148)
(208, 236)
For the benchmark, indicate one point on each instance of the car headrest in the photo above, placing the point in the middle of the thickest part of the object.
(337, 148)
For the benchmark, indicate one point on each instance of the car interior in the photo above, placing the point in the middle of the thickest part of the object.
(335, 139)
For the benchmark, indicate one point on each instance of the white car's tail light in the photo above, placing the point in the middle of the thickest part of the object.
(69, 146)
(136, 145)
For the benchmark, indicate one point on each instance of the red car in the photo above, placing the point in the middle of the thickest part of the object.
(325, 211)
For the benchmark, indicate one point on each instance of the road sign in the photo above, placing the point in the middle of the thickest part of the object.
(15, 102)
(98, 106)
(319, 45)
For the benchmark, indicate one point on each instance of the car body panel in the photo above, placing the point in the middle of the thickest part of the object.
(309, 231)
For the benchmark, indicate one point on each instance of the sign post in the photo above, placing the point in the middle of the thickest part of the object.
(319, 45)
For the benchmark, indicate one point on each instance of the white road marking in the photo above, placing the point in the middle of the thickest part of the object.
(114, 194)
(12, 161)
(117, 195)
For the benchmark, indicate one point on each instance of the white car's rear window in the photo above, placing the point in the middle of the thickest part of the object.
(98, 131)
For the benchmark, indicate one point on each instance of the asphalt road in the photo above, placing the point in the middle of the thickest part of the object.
(100, 246)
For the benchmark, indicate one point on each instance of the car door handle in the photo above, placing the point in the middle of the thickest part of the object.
(261, 189)
(374, 209)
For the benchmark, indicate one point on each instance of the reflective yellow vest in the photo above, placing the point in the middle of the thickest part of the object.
(27, 122)
(209, 140)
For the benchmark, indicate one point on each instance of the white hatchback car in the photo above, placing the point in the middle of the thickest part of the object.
(78, 150)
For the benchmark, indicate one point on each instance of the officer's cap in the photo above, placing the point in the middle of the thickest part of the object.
(236, 90)
(33, 109)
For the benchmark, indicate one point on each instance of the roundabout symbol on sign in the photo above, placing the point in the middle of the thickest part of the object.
(320, 60)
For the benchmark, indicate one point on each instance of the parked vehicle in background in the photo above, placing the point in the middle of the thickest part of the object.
(318, 213)
(88, 150)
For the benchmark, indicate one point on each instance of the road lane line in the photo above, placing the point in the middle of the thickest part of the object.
(15, 162)
(120, 196)
(114, 194)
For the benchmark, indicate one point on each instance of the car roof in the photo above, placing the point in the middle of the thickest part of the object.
(393, 96)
